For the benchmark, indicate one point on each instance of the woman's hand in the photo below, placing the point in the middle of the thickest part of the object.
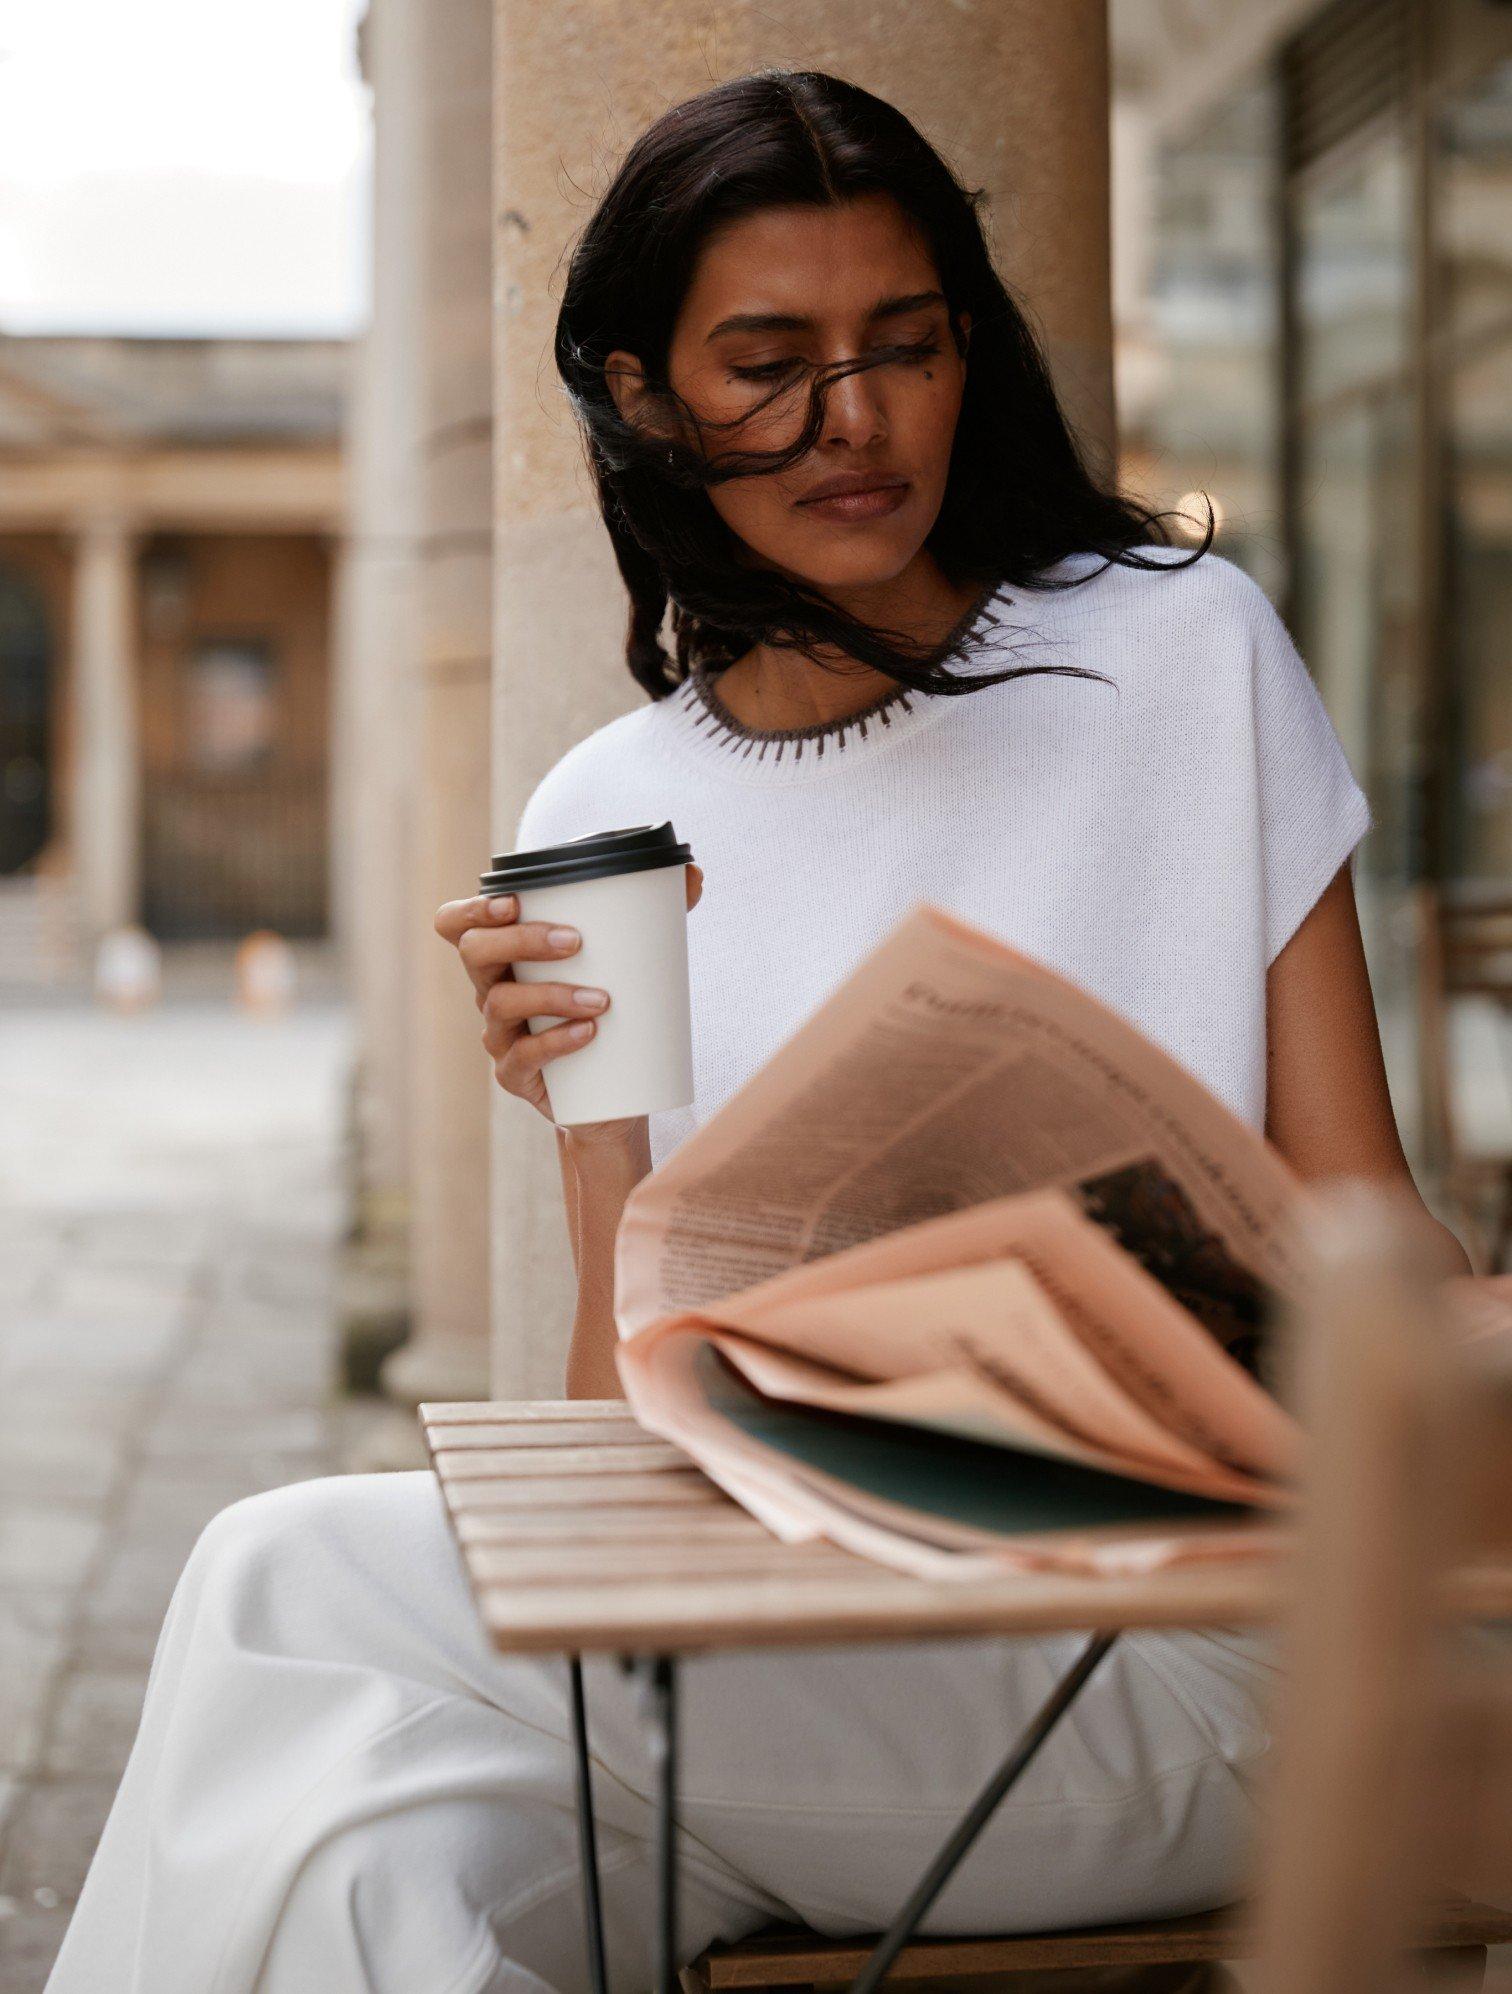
(490, 938)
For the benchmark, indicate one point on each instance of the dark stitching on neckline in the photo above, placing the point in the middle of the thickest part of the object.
(713, 717)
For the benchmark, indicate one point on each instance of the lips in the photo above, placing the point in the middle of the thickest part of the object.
(858, 503)
(838, 488)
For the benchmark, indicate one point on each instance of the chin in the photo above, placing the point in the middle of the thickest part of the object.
(866, 561)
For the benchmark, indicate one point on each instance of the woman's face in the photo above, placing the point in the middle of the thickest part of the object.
(819, 285)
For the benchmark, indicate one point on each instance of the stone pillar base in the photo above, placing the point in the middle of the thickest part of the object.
(373, 1309)
(438, 1369)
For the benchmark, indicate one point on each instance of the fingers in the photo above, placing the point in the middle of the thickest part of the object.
(455, 917)
(509, 1004)
(519, 1070)
(490, 938)
(488, 953)
(487, 915)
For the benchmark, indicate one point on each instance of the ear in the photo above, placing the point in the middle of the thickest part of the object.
(627, 382)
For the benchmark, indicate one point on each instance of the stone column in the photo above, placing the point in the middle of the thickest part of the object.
(447, 1355)
(105, 805)
(1015, 94)
(1039, 139)
(372, 808)
(374, 774)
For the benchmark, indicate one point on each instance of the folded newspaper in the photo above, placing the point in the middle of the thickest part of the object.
(971, 1274)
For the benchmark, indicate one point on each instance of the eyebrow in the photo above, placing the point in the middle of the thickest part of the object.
(788, 322)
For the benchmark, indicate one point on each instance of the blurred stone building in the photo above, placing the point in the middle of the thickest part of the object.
(171, 515)
(1315, 329)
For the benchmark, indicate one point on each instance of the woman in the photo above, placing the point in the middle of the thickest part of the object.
(917, 653)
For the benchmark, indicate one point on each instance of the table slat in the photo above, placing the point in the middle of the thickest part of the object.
(687, 1487)
(523, 1412)
(513, 1463)
(596, 1526)
(686, 1616)
(460, 1435)
(535, 1563)
(583, 1533)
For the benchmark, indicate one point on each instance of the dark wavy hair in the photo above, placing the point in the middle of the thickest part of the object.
(1018, 495)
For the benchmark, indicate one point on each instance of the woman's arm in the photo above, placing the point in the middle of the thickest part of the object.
(598, 1174)
(1328, 1109)
(601, 1162)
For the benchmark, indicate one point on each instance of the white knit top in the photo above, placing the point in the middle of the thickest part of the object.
(1158, 839)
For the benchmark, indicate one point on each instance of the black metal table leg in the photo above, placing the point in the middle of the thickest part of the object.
(664, 1759)
(593, 1910)
(978, 1814)
(662, 1711)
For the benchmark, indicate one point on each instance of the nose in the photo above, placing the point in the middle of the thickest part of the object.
(853, 408)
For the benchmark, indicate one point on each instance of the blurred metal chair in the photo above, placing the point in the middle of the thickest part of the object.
(1464, 952)
(1393, 1778)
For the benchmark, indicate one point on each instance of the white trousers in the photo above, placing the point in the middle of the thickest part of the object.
(339, 1788)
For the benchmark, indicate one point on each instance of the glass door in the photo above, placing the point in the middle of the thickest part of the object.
(1473, 260)
(1355, 600)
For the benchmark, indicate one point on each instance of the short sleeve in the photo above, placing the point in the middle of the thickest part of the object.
(1313, 813)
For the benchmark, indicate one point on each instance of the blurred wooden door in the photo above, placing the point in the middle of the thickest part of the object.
(25, 746)
(235, 688)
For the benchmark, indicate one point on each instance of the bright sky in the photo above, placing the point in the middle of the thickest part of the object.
(181, 166)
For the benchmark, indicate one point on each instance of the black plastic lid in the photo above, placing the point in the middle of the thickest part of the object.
(641, 848)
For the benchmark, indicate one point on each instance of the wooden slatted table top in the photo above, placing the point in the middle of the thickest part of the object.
(582, 1532)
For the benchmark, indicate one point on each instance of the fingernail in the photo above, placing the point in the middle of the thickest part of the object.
(501, 906)
(580, 1031)
(590, 1000)
(562, 938)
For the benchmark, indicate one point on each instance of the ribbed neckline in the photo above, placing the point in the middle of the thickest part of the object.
(708, 727)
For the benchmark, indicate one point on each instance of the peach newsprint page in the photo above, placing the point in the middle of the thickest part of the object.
(971, 1274)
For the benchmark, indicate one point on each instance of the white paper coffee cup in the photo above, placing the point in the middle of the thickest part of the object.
(626, 894)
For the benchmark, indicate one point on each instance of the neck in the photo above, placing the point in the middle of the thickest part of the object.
(775, 687)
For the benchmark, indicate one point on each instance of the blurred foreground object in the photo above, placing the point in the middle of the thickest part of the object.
(128, 969)
(265, 976)
(1394, 1769)
(1465, 1047)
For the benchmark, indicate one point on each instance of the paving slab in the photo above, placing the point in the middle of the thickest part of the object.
(35, 1629)
(52, 1347)
(94, 1721)
(46, 1543)
(171, 1204)
(50, 1456)
(133, 1238)
(132, 1594)
(232, 1432)
(52, 1837)
(29, 1942)
(108, 1288)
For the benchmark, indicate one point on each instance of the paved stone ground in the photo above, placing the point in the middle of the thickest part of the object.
(169, 1206)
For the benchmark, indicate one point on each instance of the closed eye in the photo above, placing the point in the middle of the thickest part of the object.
(772, 370)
